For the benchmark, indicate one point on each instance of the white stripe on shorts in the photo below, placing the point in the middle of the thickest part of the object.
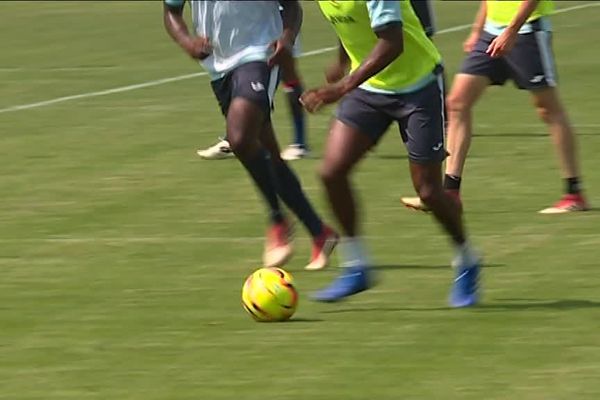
(273, 81)
(440, 81)
(543, 41)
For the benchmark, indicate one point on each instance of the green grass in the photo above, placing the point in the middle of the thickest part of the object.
(123, 254)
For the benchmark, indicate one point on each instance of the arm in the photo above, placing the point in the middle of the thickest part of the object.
(196, 47)
(505, 42)
(389, 46)
(477, 27)
(525, 10)
(386, 22)
(291, 16)
(480, 18)
(339, 68)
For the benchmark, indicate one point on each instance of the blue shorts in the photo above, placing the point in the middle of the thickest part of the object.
(254, 81)
(420, 118)
(530, 64)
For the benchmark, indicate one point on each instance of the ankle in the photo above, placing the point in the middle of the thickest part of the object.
(353, 252)
(452, 182)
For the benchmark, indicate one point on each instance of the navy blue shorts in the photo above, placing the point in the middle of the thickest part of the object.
(420, 118)
(530, 64)
(254, 81)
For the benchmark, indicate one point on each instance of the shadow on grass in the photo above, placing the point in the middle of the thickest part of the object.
(500, 305)
(385, 267)
(535, 304)
(302, 320)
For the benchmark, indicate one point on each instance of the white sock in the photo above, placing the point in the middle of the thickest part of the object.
(465, 256)
(353, 252)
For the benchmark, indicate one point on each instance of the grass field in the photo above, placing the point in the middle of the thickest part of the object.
(123, 254)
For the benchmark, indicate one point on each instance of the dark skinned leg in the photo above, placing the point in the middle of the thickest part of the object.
(427, 180)
(345, 147)
(245, 121)
(289, 188)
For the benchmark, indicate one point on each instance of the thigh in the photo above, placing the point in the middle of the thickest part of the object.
(245, 122)
(531, 61)
(466, 90)
(479, 63)
(345, 146)
(255, 82)
(364, 111)
(422, 125)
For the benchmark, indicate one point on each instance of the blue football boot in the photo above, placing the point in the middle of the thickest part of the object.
(353, 280)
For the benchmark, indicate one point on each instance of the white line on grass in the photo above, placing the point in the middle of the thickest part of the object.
(197, 74)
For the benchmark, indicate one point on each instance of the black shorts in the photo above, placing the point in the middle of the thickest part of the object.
(530, 64)
(420, 118)
(425, 14)
(254, 81)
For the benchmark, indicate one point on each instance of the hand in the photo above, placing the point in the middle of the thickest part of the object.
(335, 72)
(314, 99)
(311, 101)
(502, 44)
(469, 44)
(282, 53)
(198, 47)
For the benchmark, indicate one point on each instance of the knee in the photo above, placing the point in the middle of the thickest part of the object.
(429, 194)
(548, 107)
(240, 145)
(457, 104)
(329, 175)
(547, 113)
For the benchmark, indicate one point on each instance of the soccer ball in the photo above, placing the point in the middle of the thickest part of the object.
(269, 295)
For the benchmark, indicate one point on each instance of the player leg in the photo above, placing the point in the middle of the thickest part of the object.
(292, 86)
(251, 89)
(552, 112)
(357, 127)
(532, 67)
(478, 71)
(466, 90)
(290, 191)
(423, 132)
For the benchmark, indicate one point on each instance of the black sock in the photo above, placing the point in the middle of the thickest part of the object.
(260, 169)
(294, 90)
(573, 185)
(291, 193)
(452, 182)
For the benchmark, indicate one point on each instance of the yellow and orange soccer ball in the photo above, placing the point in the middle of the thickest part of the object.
(269, 295)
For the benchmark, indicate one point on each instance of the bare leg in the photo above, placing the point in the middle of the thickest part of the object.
(345, 147)
(465, 91)
(552, 112)
(428, 184)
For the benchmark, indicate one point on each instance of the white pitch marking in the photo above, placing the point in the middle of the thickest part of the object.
(197, 74)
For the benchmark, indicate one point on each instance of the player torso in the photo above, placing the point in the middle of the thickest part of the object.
(500, 14)
(239, 31)
(352, 23)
